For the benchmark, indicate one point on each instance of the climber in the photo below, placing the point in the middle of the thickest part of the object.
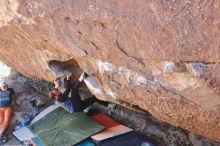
(7, 95)
(73, 104)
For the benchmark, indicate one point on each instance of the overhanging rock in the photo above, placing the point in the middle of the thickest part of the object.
(162, 56)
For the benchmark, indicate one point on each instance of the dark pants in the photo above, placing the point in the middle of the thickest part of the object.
(78, 104)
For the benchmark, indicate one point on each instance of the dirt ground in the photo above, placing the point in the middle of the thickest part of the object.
(159, 133)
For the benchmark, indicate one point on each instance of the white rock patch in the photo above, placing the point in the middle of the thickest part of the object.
(5, 71)
(109, 92)
(93, 84)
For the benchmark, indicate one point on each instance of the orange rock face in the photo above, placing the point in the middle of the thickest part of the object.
(162, 56)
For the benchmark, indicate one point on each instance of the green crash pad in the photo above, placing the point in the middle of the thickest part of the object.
(61, 128)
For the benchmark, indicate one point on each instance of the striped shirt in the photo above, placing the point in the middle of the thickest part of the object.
(6, 97)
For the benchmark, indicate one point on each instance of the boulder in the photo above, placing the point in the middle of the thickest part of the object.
(162, 56)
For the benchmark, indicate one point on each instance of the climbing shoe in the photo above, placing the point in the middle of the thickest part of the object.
(88, 110)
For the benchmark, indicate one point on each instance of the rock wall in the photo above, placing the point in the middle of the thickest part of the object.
(161, 56)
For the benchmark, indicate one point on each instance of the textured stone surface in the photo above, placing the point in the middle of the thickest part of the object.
(159, 55)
